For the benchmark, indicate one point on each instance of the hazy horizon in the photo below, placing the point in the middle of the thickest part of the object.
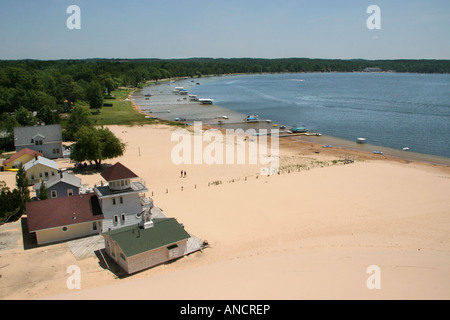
(184, 29)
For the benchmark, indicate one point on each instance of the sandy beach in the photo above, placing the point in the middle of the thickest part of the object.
(310, 232)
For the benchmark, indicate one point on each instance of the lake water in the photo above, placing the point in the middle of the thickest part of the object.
(388, 109)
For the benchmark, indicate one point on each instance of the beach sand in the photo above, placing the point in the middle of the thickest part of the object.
(310, 232)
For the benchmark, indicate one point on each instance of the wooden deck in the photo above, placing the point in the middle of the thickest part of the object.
(86, 247)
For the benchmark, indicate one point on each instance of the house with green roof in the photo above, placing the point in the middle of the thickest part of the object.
(146, 244)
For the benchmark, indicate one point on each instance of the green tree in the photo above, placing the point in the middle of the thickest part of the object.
(96, 145)
(79, 117)
(25, 117)
(7, 124)
(9, 204)
(94, 95)
(22, 187)
(43, 191)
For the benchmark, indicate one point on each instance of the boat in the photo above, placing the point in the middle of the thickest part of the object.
(361, 140)
(378, 152)
(206, 101)
(299, 130)
(327, 146)
(193, 97)
(252, 118)
(405, 149)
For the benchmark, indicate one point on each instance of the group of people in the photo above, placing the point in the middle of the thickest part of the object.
(183, 174)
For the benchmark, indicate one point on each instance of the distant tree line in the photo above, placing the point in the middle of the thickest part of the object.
(33, 91)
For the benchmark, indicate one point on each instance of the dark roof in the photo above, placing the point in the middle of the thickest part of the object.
(23, 135)
(22, 152)
(134, 240)
(64, 211)
(118, 172)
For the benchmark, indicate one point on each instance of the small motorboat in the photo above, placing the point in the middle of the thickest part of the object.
(378, 152)
(405, 149)
(252, 118)
(361, 140)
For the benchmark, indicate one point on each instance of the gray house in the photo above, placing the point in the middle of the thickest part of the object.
(62, 185)
(44, 139)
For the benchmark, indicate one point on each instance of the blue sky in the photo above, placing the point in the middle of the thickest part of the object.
(36, 29)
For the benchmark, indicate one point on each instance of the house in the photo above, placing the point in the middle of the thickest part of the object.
(122, 199)
(39, 169)
(138, 247)
(64, 218)
(62, 185)
(44, 139)
(20, 158)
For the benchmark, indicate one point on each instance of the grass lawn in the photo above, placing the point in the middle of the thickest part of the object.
(122, 112)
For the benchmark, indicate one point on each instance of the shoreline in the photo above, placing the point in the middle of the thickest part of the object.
(323, 140)
(371, 214)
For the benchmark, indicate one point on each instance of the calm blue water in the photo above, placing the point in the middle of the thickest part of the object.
(389, 109)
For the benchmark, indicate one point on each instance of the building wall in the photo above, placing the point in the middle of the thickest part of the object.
(72, 232)
(39, 171)
(47, 149)
(130, 206)
(144, 260)
(61, 189)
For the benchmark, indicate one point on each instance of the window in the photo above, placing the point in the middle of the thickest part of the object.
(32, 176)
(55, 151)
(123, 217)
(53, 173)
(70, 192)
(116, 219)
(121, 200)
(94, 226)
(40, 174)
(64, 229)
(46, 174)
(114, 201)
(54, 194)
(122, 257)
(173, 251)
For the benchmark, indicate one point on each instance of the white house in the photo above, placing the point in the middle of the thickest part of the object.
(122, 198)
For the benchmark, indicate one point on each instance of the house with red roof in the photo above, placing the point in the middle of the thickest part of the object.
(64, 218)
(117, 203)
(122, 198)
(19, 158)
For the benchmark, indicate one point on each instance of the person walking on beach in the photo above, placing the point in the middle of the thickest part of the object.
(185, 174)
(181, 175)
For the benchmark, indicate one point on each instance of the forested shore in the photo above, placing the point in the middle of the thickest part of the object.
(38, 91)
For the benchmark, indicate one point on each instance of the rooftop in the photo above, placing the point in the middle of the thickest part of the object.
(64, 211)
(118, 172)
(134, 240)
(41, 160)
(23, 135)
(22, 152)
